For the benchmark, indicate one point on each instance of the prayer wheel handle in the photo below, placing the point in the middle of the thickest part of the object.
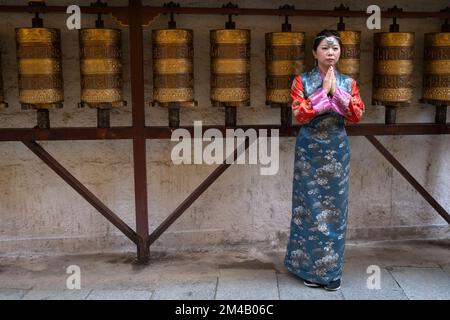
(99, 22)
(446, 26)
(341, 9)
(230, 24)
(394, 27)
(172, 24)
(286, 26)
(37, 21)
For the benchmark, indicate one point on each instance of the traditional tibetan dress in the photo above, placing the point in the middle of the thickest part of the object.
(315, 249)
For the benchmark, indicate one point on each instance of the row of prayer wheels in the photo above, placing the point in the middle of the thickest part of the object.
(393, 66)
(173, 79)
(285, 57)
(40, 68)
(41, 83)
(40, 71)
(41, 79)
(230, 65)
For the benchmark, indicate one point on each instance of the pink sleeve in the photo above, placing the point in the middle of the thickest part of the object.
(340, 101)
(320, 101)
(348, 105)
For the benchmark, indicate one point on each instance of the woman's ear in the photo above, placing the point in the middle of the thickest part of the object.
(314, 54)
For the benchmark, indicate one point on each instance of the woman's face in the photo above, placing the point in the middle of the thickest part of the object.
(328, 52)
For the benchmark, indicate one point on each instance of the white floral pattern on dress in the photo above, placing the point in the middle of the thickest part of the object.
(320, 200)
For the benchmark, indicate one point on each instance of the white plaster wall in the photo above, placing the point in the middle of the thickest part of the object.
(39, 211)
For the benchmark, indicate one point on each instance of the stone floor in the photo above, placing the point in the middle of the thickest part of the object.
(407, 270)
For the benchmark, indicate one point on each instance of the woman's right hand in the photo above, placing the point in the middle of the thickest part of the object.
(327, 81)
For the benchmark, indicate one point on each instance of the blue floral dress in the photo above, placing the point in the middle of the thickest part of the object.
(315, 250)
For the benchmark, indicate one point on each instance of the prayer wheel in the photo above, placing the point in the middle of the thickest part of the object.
(173, 67)
(230, 67)
(3, 104)
(350, 55)
(436, 78)
(101, 68)
(393, 67)
(40, 70)
(285, 58)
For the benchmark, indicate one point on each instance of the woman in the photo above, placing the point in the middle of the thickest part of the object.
(322, 99)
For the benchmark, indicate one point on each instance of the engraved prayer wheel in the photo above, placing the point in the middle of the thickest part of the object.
(173, 67)
(285, 58)
(230, 67)
(101, 68)
(393, 67)
(436, 78)
(40, 69)
(350, 54)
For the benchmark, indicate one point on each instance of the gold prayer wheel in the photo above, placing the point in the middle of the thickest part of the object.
(40, 69)
(230, 67)
(173, 67)
(350, 54)
(393, 67)
(285, 58)
(101, 67)
(436, 78)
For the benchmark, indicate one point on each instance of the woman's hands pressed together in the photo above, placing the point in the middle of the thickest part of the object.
(329, 81)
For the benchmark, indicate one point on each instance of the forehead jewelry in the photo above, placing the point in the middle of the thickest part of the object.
(333, 36)
(330, 41)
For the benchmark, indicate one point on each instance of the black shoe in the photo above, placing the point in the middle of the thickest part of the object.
(311, 284)
(333, 285)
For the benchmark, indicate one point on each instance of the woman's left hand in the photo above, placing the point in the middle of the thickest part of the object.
(333, 82)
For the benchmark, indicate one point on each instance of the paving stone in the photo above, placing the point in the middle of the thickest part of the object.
(423, 283)
(101, 294)
(48, 294)
(12, 294)
(446, 269)
(357, 284)
(186, 291)
(247, 284)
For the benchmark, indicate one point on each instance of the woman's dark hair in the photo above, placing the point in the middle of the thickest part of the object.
(325, 34)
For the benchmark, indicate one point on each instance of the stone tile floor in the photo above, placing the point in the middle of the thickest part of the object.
(407, 269)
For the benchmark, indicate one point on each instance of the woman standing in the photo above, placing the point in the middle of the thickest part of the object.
(322, 98)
